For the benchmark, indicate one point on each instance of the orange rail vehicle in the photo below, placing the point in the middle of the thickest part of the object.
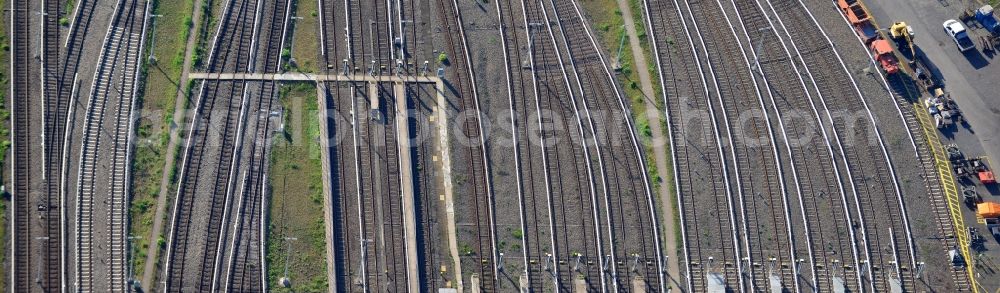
(859, 18)
(883, 54)
(863, 26)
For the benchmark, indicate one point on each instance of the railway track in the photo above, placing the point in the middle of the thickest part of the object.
(822, 197)
(700, 165)
(211, 158)
(531, 161)
(241, 263)
(55, 157)
(368, 273)
(482, 259)
(766, 224)
(887, 228)
(370, 37)
(572, 35)
(383, 263)
(550, 90)
(517, 89)
(936, 187)
(22, 146)
(344, 159)
(344, 182)
(640, 258)
(244, 269)
(381, 184)
(427, 188)
(412, 19)
(44, 196)
(101, 244)
(939, 186)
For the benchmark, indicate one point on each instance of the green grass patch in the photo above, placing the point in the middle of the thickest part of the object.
(607, 18)
(68, 7)
(297, 196)
(608, 21)
(156, 104)
(4, 146)
(304, 51)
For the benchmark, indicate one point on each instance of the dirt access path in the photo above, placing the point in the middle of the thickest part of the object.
(659, 144)
(161, 202)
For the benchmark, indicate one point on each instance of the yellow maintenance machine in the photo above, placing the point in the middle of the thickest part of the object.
(903, 35)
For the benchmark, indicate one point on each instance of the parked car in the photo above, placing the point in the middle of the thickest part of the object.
(957, 31)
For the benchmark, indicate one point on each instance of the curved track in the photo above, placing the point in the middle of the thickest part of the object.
(879, 203)
(210, 158)
(461, 78)
(766, 224)
(241, 264)
(632, 212)
(550, 90)
(526, 157)
(712, 251)
(105, 157)
(823, 199)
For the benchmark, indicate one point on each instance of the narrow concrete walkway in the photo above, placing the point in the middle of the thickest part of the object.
(659, 145)
(152, 255)
(324, 141)
(406, 174)
(449, 197)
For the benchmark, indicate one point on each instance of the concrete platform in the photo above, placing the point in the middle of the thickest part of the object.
(331, 253)
(406, 176)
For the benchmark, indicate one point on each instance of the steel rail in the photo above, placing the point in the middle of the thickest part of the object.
(237, 149)
(909, 134)
(19, 168)
(46, 24)
(457, 16)
(878, 133)
(545, 163)
(799, 76)
(773, 142)
(580, 128)
(887, 162)
(189, 149)
(84, 277)
(725, 117)
(587, 156)
(840, 147)
(718, 143)
(356, 150)
(265, 99)
(529, 227)
(635, 147)
(513, 126)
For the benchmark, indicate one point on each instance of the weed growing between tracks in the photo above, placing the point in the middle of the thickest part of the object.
(4, 145)
(608, 25)
(156, 116)
(68, 8)
(295, 177)
(304, 40)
